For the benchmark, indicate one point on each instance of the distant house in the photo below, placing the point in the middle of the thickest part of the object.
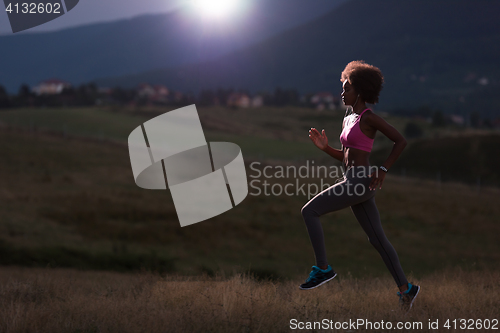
(457, 119)
(161, 90)
(257, 101)
(324, 99)
(51, 87)
(238, 100)
(177, 96)
(145, 90)
(157, 93)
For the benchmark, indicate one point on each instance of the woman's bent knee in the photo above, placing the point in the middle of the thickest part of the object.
(308, 211)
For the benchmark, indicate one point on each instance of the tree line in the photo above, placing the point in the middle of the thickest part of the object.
(89, 94)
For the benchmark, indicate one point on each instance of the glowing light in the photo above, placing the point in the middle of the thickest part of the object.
(216, 8)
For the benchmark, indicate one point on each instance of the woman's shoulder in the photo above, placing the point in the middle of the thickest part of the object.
(370, 115)
(369, 119)
(365, 115)
(373, 120)
(368, 112)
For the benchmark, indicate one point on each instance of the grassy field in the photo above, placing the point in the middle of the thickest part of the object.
(62, 300)
(69, 206)
(267, 134)
(73, 203)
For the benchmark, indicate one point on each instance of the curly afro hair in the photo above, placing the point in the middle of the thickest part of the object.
(366, 79)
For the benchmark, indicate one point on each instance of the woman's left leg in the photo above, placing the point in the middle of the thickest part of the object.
(341, 195)
(368, 216)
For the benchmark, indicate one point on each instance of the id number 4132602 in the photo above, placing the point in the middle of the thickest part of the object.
(471, 324)
(34, 8)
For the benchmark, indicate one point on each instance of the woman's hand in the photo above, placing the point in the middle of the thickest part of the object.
(319, 139)
(378, 177)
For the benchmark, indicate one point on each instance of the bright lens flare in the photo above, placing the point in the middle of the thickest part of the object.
(215, 8)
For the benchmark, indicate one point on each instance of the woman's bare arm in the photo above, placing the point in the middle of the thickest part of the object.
(388, 130)
(321, 141)
(335, 153)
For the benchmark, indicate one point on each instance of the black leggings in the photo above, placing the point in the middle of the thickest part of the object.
(352, 191)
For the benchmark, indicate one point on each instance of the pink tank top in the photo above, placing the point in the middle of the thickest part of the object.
(353, 137)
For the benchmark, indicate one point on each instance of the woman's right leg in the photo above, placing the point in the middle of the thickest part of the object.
(341, 195)
(369, 218)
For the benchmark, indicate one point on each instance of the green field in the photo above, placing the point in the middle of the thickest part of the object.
(280, 135)
(71, 201)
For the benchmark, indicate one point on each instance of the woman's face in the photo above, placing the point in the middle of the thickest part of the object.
(349, 95)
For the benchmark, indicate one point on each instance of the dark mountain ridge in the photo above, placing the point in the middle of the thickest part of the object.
(145, 42)
(441, 53)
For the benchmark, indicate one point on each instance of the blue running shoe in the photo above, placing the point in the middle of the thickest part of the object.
(318, 277)
(407, 298)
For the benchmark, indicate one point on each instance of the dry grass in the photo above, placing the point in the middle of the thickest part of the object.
(59, 300)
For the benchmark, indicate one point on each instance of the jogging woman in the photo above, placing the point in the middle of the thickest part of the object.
(362, 84)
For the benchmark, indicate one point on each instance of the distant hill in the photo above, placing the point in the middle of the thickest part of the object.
(145, 42)
(443, 53)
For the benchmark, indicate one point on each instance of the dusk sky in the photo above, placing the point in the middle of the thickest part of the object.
(93, 11)
(96, 11)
